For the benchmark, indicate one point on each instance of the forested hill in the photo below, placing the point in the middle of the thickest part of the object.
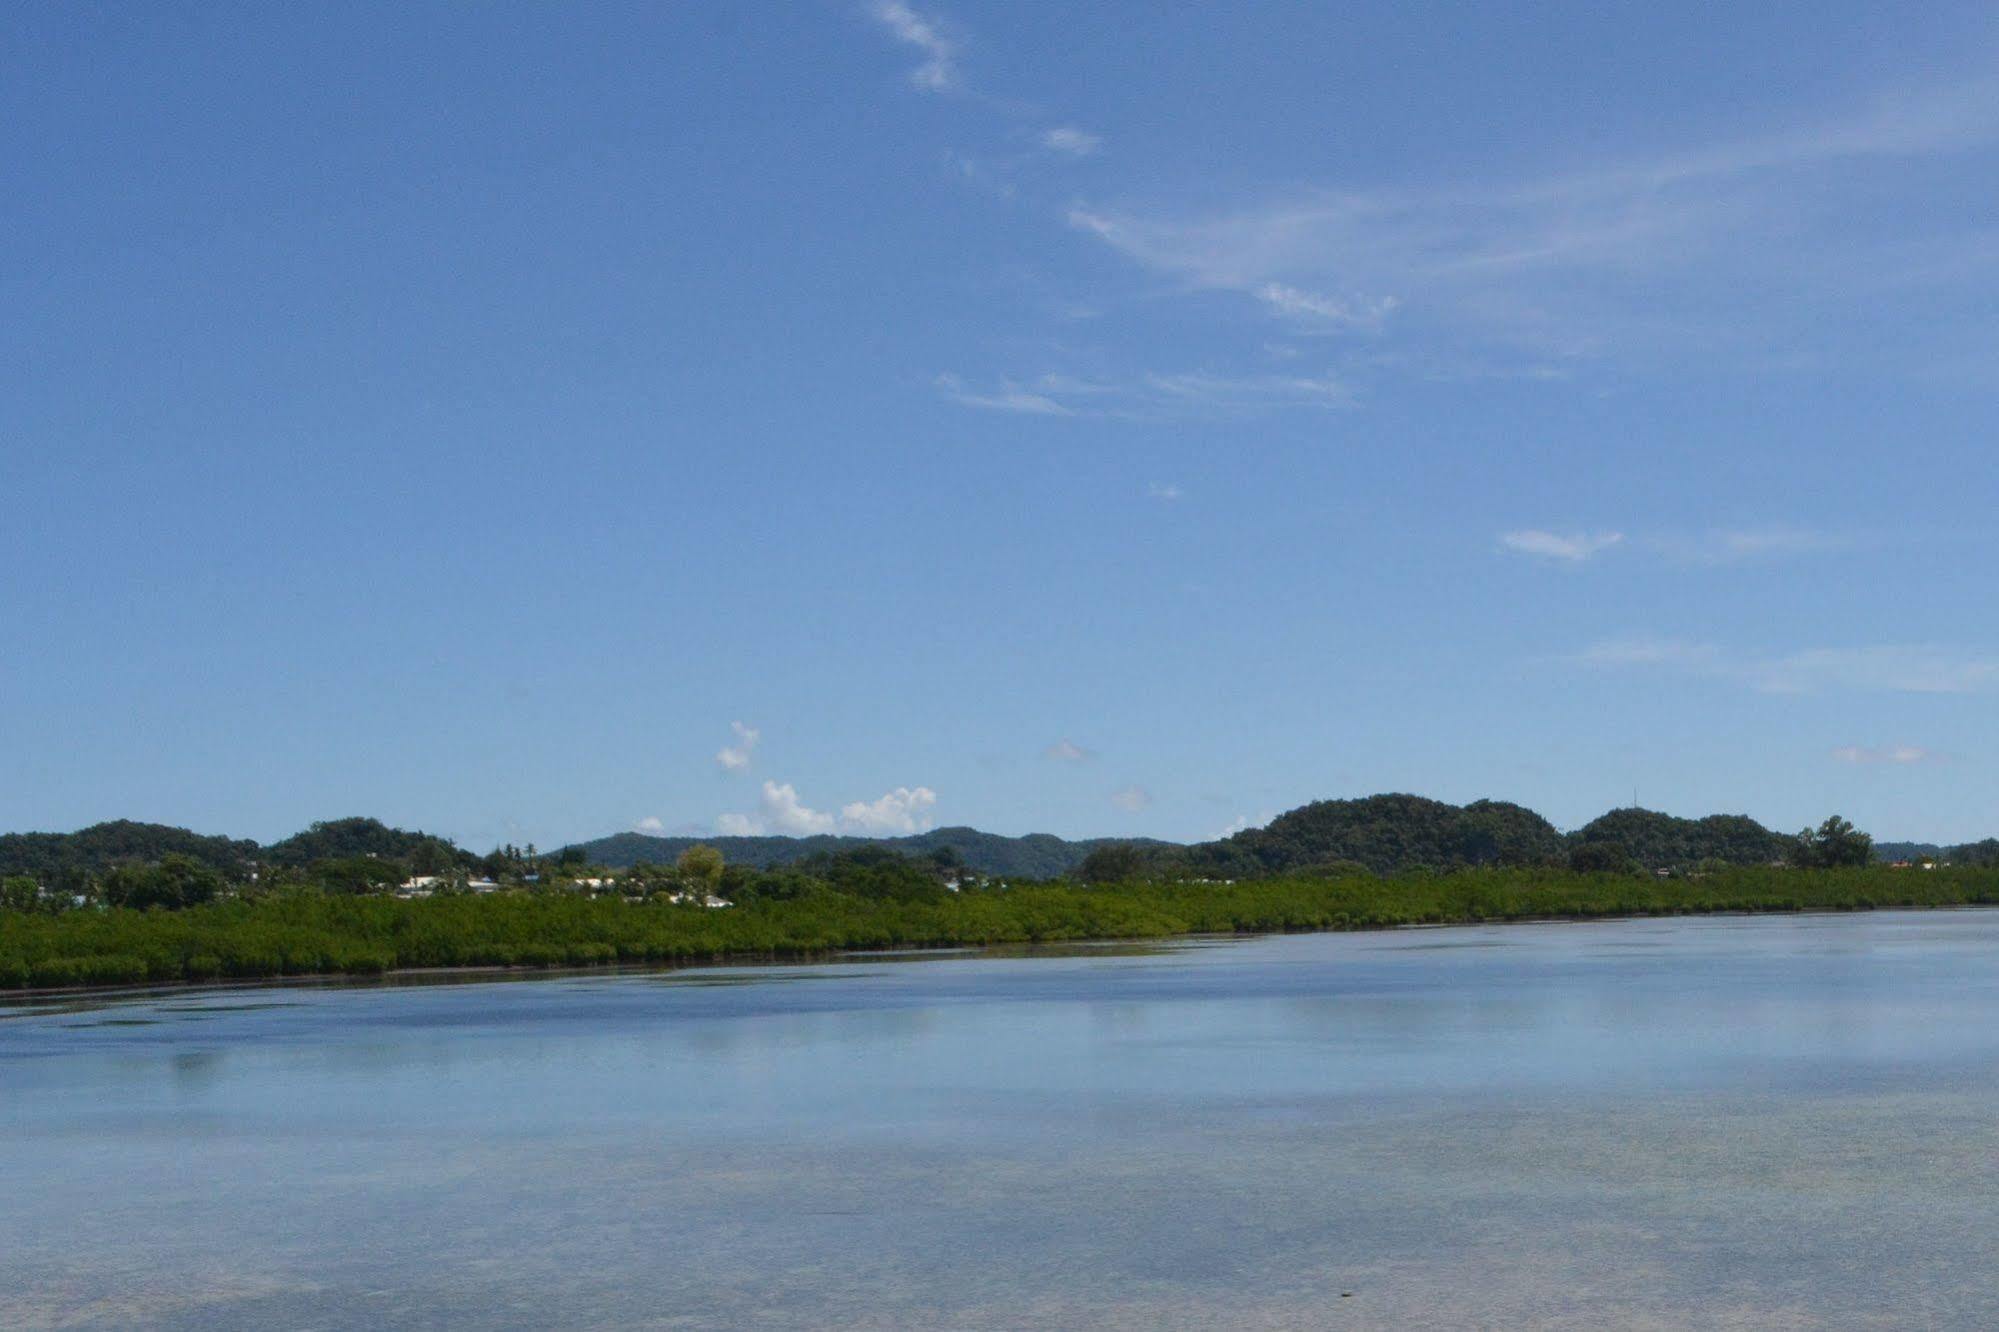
(53, 858)
(340, 838)
(1384, 833)
(1035, 856)
(1392, 833)
(49, 857)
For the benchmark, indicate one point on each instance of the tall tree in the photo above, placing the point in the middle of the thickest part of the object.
(1834, 844)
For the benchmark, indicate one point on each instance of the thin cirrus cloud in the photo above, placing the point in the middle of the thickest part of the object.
(1730, 546)
(1717, 546)
(1892, 755)
(781, 811)
(1572, 547)
(940, 45)
(1326, 311)
(1007, 397)
(1742, 250)
(1185, 395)
(1884, 668)
(1066, 750)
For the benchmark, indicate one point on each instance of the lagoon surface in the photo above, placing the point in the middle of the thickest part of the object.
(1755, 1122)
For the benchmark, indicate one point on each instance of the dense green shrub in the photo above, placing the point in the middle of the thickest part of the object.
(313, 933)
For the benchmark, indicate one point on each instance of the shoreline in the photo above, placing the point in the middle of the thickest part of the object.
(475, 973)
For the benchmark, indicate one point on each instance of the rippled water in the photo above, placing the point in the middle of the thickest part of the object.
(1769, 1122)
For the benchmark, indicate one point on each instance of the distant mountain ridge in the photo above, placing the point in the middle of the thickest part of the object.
(1034, 856)
(1384, 833)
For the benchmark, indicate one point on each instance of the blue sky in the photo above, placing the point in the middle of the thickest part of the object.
(531, 422)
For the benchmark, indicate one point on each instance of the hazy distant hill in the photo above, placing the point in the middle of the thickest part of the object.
(1035, 856)
(1966, 853)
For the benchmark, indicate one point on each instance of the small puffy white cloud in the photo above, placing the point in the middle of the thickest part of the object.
(901, 812)
(939, 70)
(1891, 754)
(1075, 142)
(651, 827)
(1066, 750)
(780, 811)
(736, 757)
(783, 812)
(1131, 799)
(1163, 491)
(1243, 823)
(1574, 547)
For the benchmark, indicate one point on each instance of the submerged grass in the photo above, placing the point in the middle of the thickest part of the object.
(328, 935)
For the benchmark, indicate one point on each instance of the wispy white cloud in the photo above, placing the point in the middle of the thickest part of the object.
(1131, 799)
(1066, 750)
(1716, 546)
(1153, 397)
(1887, 754)
(1072, 141)
(1730, 546)
(988, 177)
(736, 757)
(1573, 547)
(1885, 668)
(1906, 669)
(1702, 657)
(1237, 392)
(1325, 310)
(938, 71)
(903, 811)
(1165, 492)
(1008, 397)
(1743, 249)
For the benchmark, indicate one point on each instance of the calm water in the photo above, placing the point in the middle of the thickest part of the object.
(1775, 1122)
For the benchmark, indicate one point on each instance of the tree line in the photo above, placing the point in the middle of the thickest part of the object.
(790, 913)
(140, 866)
